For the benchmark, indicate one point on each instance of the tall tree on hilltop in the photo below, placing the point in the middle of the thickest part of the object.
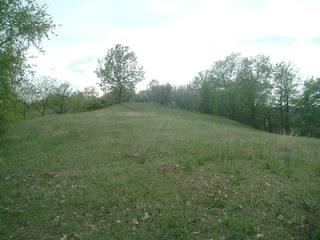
(119, 71)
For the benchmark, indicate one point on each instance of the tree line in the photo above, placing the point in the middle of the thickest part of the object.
(250, 90)
(46, 95)
(24, 24)
(118, 70)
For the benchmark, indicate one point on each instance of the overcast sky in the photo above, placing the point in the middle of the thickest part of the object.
(175, 39)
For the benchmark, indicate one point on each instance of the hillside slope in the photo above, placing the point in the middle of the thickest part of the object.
(141, 171)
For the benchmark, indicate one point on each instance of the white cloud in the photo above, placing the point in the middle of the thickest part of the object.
(187, 39)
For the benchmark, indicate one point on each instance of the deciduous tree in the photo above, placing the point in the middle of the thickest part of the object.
(284, 88)
(44, 88)
(119, 71)
(24, 23)
(59, 97)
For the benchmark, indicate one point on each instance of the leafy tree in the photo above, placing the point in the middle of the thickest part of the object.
(284, 89)
(186, 97)
(59, 97)
(217, 87)
(26, 94)
(310, 108)
(205, 91)
(224, 73)
(119, 71)
(23, 24)
(159, 93)
(77, 102)
(250, 90)
(254, 80)
(90, 91)
(45, 87)
(87, 100)
(141, 96)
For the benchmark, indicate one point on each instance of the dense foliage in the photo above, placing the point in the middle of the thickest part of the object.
(250, 90)
(23, 24)
(119, 72)
(45, 95)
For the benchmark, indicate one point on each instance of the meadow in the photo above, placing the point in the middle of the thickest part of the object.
(142, 171)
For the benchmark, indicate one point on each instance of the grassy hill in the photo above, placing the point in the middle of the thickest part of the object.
(141, 171)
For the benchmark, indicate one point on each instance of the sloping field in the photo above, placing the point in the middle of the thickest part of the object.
(141, 171)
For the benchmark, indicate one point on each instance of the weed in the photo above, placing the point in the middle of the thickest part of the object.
(309, 205)
(237, 178)
(200, 162)
(240, 228)
(214, 202)
(175, 229)
(141, 160)
(267, 166)
(186, 165)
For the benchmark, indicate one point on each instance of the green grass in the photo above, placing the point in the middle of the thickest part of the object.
(141, 171)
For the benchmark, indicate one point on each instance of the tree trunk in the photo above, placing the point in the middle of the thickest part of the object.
(253, 115)
(282, 119)
(44, 105)
(269, 121)
(287, 116)
(24, 113)
(120, 95)
(265, 115)
(61, 107)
